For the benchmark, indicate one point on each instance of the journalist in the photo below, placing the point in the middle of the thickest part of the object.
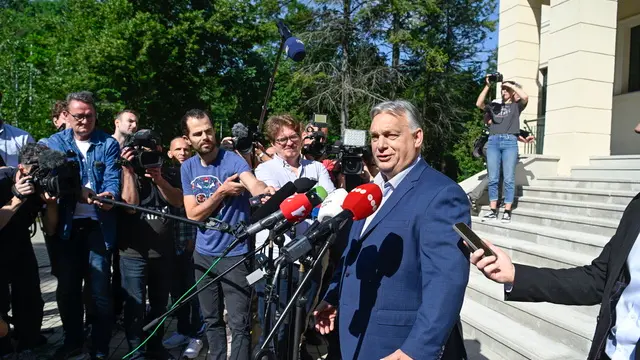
(502, 146)
(126, 123)
(214, 183)
(611, 280)
(400, 284)
(288, 164)
(18, 265)
(146, 250)
(87, 228)
(189, 321)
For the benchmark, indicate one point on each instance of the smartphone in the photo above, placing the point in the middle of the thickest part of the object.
(473, 241)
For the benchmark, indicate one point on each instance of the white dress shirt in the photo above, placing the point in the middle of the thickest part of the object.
(622, 339)
(12, 140)
(387, 187)
(277, 172)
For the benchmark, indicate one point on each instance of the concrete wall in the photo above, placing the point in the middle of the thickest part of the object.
(626, 115)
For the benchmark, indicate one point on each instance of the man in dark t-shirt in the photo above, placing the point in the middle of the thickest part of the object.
(146, 248)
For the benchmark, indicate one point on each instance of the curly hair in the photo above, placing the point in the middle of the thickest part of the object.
(275, 123)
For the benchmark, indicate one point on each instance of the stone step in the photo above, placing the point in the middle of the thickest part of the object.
(607, 172)
(564, 323)
(533, 254)
(594, 210)
(621, 161)
(617, 197)
(572, 241)
(563, 221)
(476, 351)
(588, 183)
(510, 339)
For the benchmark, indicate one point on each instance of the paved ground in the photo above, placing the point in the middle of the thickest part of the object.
(52, 325)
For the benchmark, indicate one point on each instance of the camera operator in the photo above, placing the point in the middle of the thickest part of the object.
(87, 228)
(147, 247)
(126, 123)
(18, 265)
(189, 322)
(211, 188)
(287, 165)
(502, 146)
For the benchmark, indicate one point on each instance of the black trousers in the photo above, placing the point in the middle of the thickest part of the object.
(20, 291)
(234, 292)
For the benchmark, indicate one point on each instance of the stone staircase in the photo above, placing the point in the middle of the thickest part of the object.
(559, 222)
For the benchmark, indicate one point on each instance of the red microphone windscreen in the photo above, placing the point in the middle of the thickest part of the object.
(363, 200)
(296, 207)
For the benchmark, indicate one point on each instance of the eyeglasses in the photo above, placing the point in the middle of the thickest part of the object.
(283, 140)
(82, 116)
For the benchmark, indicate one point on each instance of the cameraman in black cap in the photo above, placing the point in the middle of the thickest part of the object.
(22, 200)
(146, 241)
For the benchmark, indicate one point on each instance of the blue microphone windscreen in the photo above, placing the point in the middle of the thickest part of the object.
(295, 49)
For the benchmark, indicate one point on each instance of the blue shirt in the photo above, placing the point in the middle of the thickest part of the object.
(621, 343)
(202, 182)
(12, 140)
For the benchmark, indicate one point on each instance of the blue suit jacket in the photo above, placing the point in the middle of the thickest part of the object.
(401, 284)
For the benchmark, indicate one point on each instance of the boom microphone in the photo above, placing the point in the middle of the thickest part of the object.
(293, 46)
(360, 203)
(51, 159)
(304, 184)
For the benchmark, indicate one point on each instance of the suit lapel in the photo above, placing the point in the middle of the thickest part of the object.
(404, 187)
(628, 242)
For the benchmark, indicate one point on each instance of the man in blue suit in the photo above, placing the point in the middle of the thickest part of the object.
(400, 284)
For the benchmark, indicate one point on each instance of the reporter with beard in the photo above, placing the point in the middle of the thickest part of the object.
(211, 188)
(18, 264)
(146, 249)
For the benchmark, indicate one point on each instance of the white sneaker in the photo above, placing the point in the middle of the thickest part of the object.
(175, 340)
(193, 349)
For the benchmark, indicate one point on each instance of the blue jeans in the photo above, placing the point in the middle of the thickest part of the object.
(502, 149)
(137, 273)
(85, 253)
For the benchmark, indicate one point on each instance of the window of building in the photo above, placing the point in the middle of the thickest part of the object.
(634, 59)
(542, 93)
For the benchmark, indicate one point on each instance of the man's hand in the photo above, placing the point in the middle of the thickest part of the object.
(155, 174)
(101, 206)
(499, 269)
(86, 195)
(268, 191)
(24, 187)
(230, 187)
(325, 315)
(398, 355)
(49, 199)
(487, 81)
(127, 154)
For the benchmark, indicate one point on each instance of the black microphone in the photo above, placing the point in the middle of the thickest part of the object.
(303, 185)
(293, 46)
(273, 204)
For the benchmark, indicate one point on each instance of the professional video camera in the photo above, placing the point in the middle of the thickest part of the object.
(57, 174)
(350, 150)
(144, 144)
(496, 77)
(243, 139)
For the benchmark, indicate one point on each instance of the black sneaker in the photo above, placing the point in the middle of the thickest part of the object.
(506, 217)
(491, 215)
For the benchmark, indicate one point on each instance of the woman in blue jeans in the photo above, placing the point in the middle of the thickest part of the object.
(503, 118)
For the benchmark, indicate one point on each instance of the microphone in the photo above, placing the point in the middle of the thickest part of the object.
(273, 204)
(294, 208)
(304, 184)
(332, 205)
(360, 203)
(294, 47)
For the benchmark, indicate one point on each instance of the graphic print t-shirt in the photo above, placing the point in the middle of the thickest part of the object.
(202, 182)
(505, 117)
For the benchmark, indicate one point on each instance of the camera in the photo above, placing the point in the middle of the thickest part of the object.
(144, 144)
(496, 77)
(316, 148)
(350, 151)
(57, 174)
(242, 140)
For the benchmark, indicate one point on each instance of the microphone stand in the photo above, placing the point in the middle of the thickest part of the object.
(269, 354)
(272, 80)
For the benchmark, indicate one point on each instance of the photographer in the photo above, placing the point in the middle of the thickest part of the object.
(126, 123)
(18, 265)
(502, 147)
(87, 228)
(147, 247)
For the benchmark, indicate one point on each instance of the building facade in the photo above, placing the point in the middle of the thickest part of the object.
(579, 60)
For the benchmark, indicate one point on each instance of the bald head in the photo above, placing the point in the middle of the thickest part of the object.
(179, 150)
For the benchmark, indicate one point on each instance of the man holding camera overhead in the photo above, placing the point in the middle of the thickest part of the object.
(18, 265)
(86, 227)
(147, 247)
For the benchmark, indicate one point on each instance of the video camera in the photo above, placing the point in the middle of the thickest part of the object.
(243, 139)
(144, 144)
(57, 174)
(350, 151)
(496, 77)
